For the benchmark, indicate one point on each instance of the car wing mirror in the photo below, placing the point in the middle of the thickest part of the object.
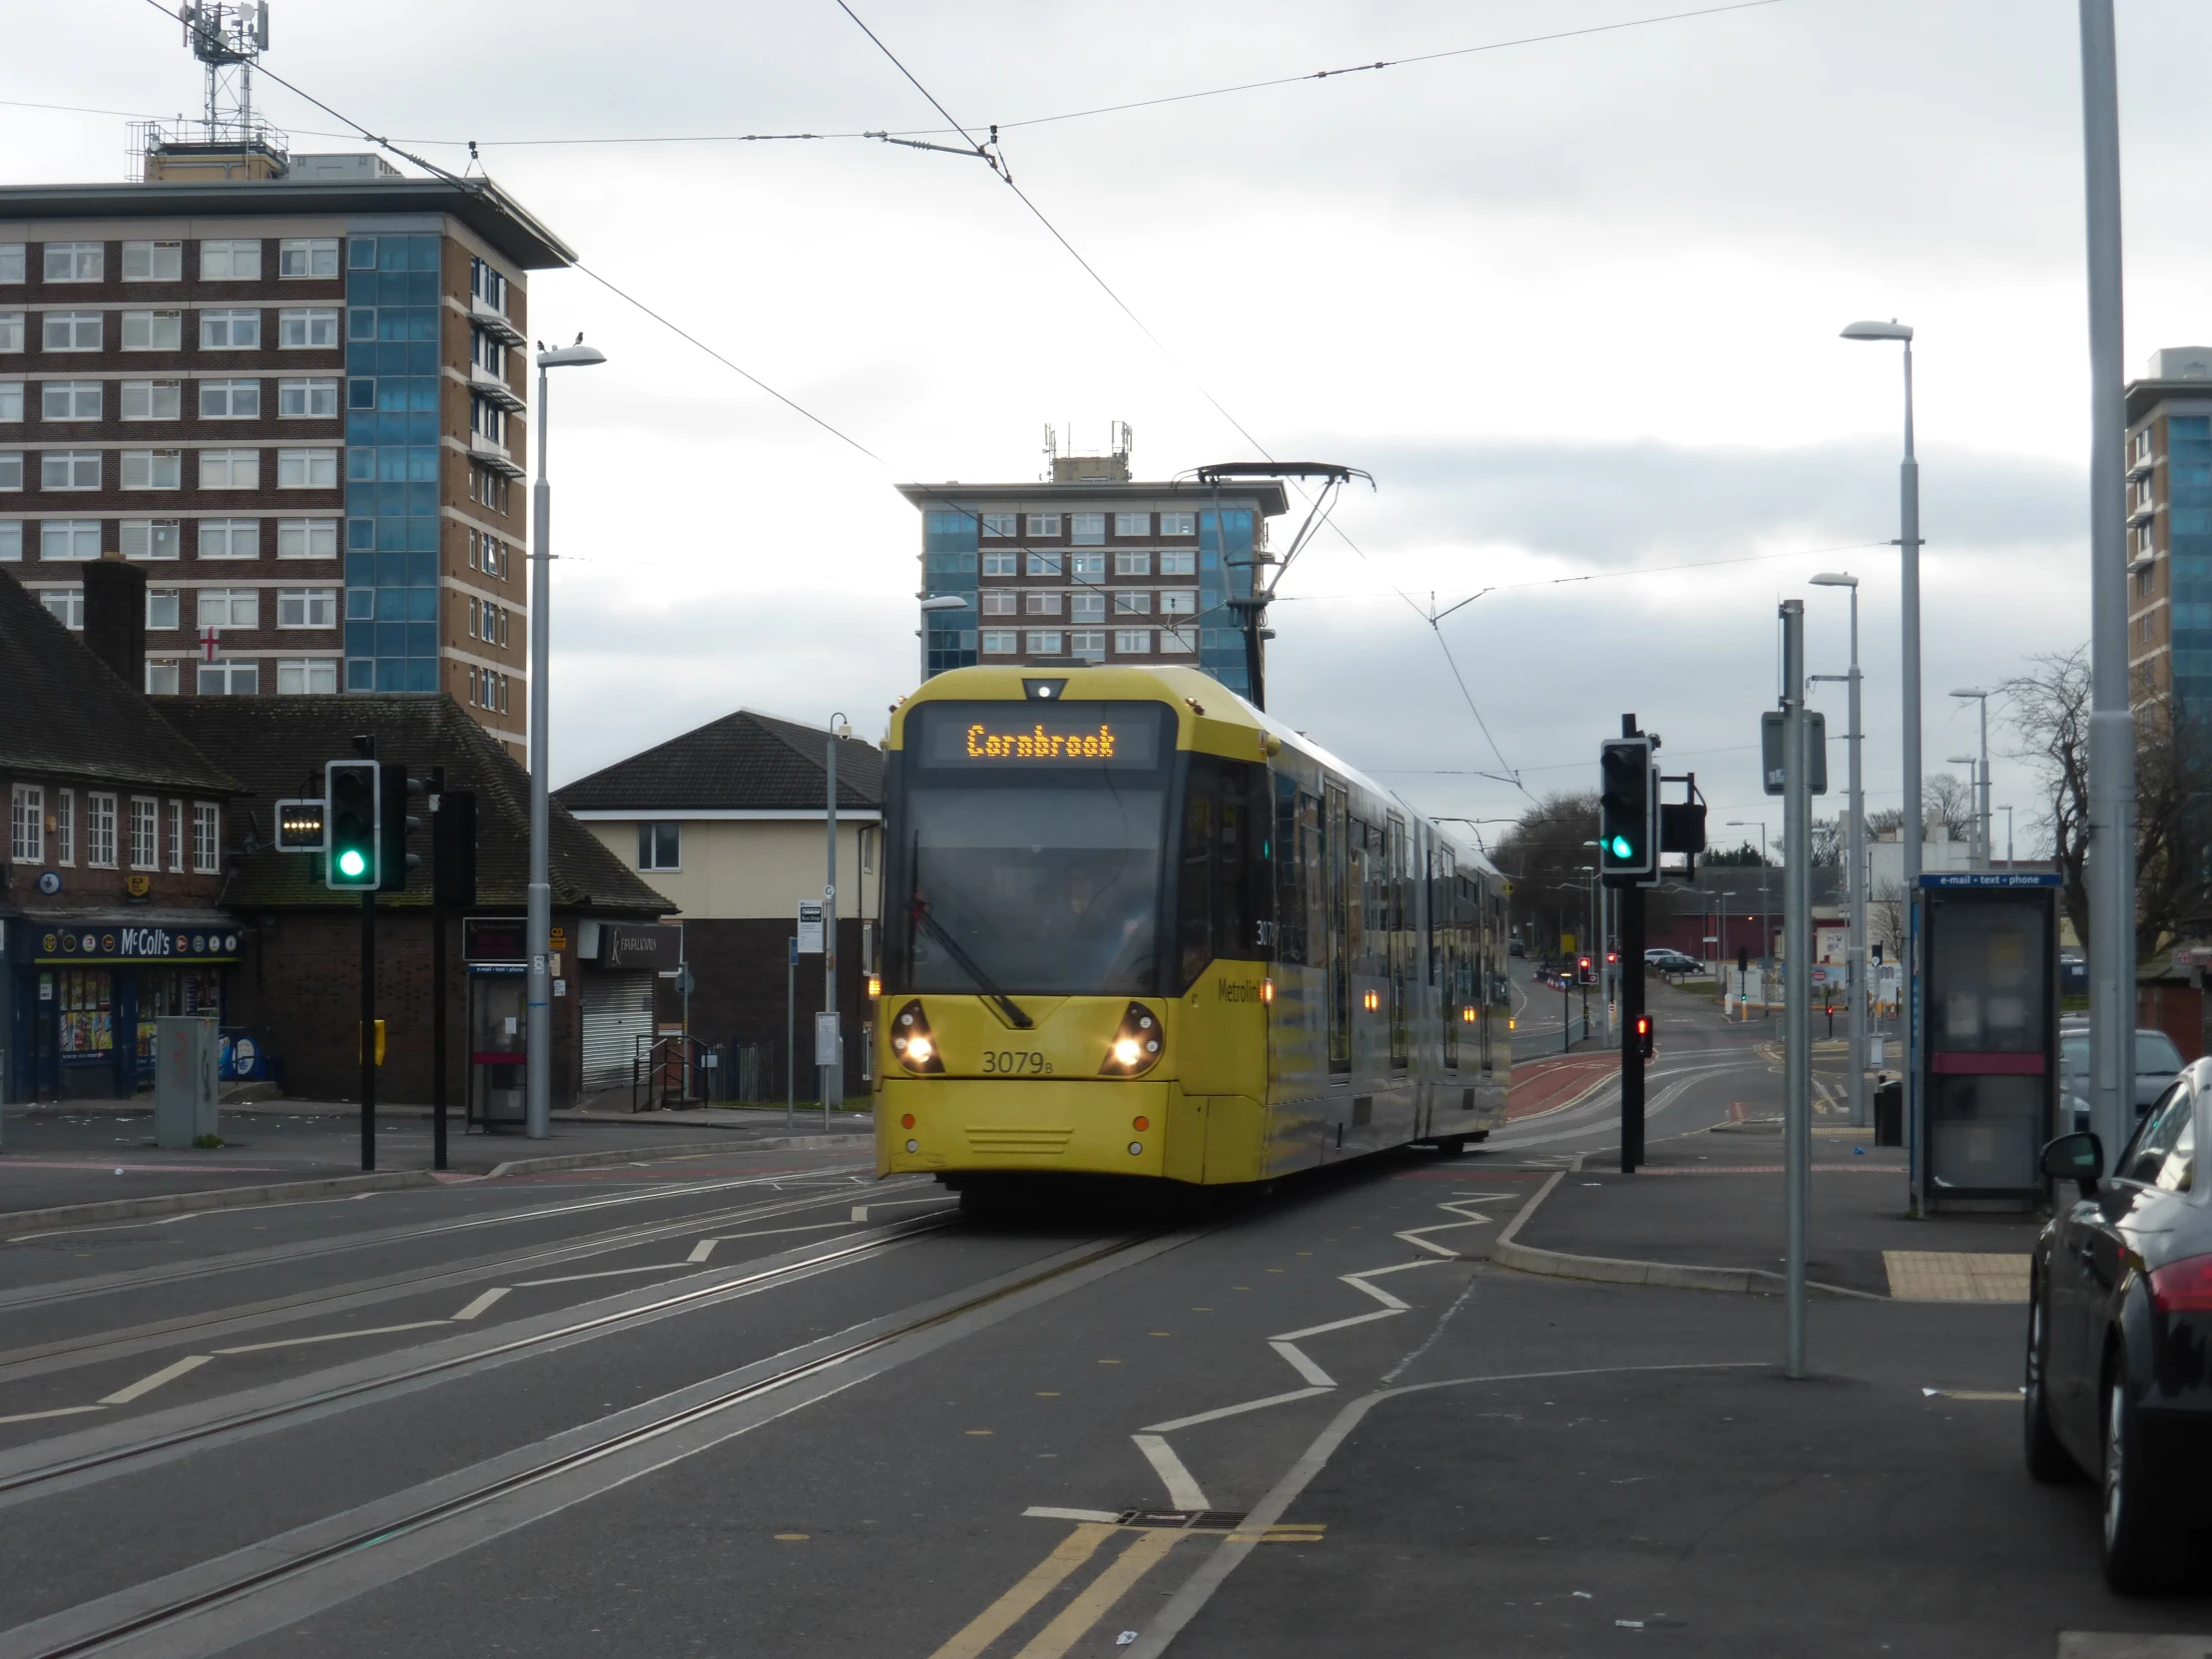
(2078, 1158)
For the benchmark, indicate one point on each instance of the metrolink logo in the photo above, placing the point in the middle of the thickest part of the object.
(1230, 990)
(1039, 745)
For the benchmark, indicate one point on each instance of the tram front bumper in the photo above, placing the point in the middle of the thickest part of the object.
(948, 1125)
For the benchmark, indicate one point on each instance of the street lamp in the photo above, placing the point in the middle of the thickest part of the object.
(931, 605)
(1982, 801)
(1854, 951)
(1974, 851)
(537, 1119)
(1909, 607)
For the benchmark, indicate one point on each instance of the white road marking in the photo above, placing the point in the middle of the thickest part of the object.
(146, 1385)
(702, 1249)
(333, 1337)
(1183, 1490)
(60, 1412)
(1235, 1411)
(1046, 1512)
(1306, 1368)
(481, 1303)
(604, 1272)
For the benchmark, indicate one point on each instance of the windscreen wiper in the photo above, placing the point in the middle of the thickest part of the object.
(938, 931)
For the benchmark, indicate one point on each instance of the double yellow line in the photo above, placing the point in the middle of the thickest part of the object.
(1097, 1598)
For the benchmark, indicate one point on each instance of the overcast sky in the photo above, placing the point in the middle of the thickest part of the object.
(1574, 303)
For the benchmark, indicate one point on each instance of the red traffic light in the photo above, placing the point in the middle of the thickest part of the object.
(1583, 962)
(1644, 1041)
(1612, 957)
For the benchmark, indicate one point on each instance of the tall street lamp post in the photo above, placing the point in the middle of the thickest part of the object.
(1854, 952)
(2111, 874)
(537, 1118)
(1982, 800)
(1909, 608)
(1974, 791)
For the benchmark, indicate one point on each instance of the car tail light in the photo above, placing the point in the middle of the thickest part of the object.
(913, 1043)
(2183, 1287)
(1136, 1044)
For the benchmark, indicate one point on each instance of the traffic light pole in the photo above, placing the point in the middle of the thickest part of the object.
(1632, 1013)
(368, 1029)
(437, 977)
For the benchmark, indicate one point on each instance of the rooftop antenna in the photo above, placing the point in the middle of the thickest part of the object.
(228, 40)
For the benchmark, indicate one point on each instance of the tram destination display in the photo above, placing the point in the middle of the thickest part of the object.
(976, 737)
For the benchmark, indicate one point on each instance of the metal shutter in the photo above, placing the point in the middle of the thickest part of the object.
(618, 1010)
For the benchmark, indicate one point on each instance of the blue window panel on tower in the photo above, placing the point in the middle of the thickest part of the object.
(422, 636)
(951, 532)
(360, 674)
(2192, 663)
(2193, 618)
(361, 639)
(392, 638)
(2180, 427)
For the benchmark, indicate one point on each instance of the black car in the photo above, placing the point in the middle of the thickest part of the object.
(2120, 1335)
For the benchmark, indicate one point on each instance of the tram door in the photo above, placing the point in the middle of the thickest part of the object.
(1447, 925)
(1336, 835)
(1399, 907)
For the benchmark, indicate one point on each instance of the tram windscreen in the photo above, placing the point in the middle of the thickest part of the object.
(1030, 848)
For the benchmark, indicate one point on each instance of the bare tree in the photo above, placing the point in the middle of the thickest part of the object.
(1948, 805)
(1544, 856)
(2049, 708)
(2173, 777)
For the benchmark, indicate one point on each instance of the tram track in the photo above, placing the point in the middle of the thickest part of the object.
(92, 1348)
(27, 1483)
(31, 1296)
(147, 1612)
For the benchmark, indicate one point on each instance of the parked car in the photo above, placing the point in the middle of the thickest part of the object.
(2157, 1062)
(1667, 960)
(2119, 1324)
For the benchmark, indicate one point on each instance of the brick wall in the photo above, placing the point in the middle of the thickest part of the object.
(299, 985)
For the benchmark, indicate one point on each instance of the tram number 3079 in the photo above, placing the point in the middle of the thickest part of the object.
(1017, 1062)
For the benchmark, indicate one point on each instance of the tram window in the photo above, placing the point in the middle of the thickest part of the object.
(1222, 885)
(1297, 857)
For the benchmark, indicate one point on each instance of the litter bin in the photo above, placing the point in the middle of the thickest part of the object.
(1888, 1112)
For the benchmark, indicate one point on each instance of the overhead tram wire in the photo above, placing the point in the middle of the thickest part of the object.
(894, 134)
(998, 166)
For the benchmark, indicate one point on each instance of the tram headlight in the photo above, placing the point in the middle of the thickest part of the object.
(1136, 1045)
(912, 1044)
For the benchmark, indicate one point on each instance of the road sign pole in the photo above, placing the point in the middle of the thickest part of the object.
(790, 1034)
(1797, 971)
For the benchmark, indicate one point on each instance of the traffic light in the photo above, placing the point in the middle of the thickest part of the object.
(395, 790)
(1644, 1043)
(454, 850)
(1583, 972)
(355, 825)
(1628, 848)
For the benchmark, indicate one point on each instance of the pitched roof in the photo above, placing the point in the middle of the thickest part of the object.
(282, 743)
(743, 762)
(69, 715)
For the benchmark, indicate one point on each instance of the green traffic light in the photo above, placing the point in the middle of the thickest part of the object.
(353, 863)
(1621, 848)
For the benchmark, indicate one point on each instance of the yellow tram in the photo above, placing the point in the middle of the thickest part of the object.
(1134, 926)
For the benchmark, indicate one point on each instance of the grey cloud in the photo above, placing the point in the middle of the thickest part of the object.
(1623, 504)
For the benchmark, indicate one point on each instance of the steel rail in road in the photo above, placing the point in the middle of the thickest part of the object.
(249, 1583)
(70, 1352)
(27, 1481)
(32, 1296)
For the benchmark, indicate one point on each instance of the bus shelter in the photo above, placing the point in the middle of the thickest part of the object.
(1989, 1063)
